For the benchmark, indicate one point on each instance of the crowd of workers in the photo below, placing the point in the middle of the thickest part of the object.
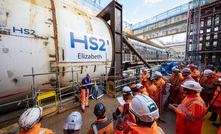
(190, 95)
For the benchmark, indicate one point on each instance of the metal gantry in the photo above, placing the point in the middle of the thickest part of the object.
(203, 44)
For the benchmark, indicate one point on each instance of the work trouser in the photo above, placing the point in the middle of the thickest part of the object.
(84, 98)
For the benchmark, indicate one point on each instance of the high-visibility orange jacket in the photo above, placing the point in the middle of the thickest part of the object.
(195, 75)
(160, 83)
(208, 91)
(175, 87)
(191, 120)
(176, 81)
(101, 126)
(152, 90)
(202, 79)
(120, 109)
(181, 93)
(143, 91)
(135, 129)
(165, 79)
(36, 129)
(217, 103)
(217, 74)
(144, 79)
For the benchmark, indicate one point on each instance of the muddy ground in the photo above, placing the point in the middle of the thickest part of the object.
(55, 123)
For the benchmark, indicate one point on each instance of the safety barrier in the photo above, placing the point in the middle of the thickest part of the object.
(46, 100)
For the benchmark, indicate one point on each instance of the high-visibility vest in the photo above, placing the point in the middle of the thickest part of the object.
(86, 82)
(217, 103)
(135, 129)
(191, 120)
(36, 129)
(102, 126)
(195, 75)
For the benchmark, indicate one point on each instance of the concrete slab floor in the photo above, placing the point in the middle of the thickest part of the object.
(56, 122)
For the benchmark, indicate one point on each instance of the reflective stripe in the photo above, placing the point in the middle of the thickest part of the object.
(178, 81)
(101, 125)
(195, 100)
(94, 129)
(129, 123)
(160, 131)
(42, 131)
(152, 89)
(189, 116)
(217, 100)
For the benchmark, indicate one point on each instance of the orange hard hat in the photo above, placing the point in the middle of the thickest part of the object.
(133, 87)
(191, 66)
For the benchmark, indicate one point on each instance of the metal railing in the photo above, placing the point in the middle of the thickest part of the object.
(168, 14)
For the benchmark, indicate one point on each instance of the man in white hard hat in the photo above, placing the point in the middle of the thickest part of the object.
(29, 122)
(175, 80)
(73, 123)
(209, 88)
(191, 112)
(144, 110)
(186, 73)
(161, 85)
(127, 97)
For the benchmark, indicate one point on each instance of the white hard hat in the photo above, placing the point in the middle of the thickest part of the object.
(186, 70)
(157, 73)
(207, 72)
(126, 90)
(73, 122)
(175, 69)
(30, 117)
(144, 108)
(139, 86)
(145, 70)
(192, 85)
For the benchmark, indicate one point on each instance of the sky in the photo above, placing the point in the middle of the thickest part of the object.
(135, 11)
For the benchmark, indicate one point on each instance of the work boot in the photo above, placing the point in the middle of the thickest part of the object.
(83, 110)
(216, 124)
(87, 106)
(213, 117)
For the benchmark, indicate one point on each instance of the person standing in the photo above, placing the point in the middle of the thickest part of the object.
(175, 81)
(144, 77)
(152, 90)
(195, 73)
(127, 97)
(192, 111)
(85, 92)
(209, 88)
(144, 110)
(186, 77)
(102, 125)
(73, 123)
